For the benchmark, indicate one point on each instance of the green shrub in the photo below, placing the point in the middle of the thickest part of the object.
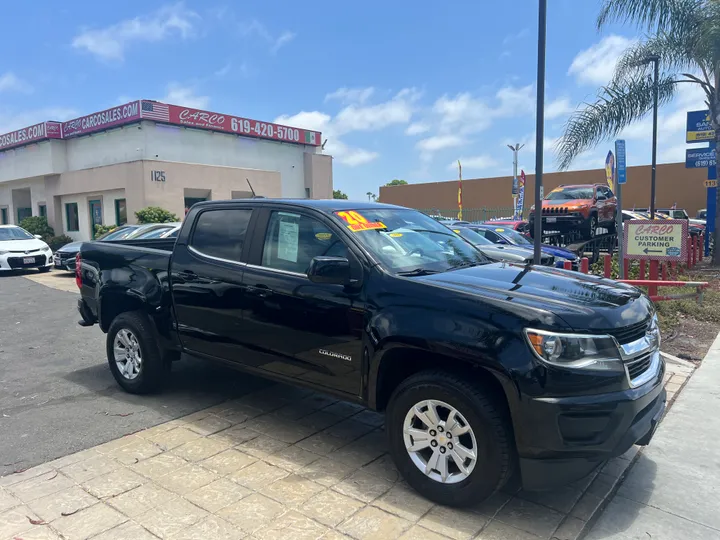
(155, 214)
(37, 225)
(102, 229)
(56, 242)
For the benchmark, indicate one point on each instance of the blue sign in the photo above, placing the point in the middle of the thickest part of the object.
(698, 127)
(515, 186)
(700, 158)
(621, 168)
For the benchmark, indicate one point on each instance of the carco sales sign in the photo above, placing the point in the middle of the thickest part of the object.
(660, 240)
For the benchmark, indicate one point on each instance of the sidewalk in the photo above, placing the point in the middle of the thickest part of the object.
(673, 490)
(279, 464)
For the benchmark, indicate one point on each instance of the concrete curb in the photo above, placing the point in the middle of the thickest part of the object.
(605, 483)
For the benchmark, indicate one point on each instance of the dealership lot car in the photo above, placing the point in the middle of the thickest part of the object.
(496, 252)
(19, 250)
(481, 368)
(505, 236)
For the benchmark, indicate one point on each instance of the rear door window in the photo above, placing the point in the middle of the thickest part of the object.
(221, 233)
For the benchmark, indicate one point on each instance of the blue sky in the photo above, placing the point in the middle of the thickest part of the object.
(400, 89)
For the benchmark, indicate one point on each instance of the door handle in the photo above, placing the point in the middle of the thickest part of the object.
(260, 291)
(187, 275)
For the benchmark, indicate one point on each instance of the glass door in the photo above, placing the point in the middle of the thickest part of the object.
(95, 215)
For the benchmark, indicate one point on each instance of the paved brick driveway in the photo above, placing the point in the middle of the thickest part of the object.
(281, 463)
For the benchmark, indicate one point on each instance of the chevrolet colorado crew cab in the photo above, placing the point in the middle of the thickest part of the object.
(483, 369)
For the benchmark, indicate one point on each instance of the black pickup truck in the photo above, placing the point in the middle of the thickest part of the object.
(483, 369)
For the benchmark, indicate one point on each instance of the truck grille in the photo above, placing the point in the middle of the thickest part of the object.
(639, 365)
(631, 333)
(554, 210)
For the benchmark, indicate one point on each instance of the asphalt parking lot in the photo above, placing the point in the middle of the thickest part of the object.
(57, 395)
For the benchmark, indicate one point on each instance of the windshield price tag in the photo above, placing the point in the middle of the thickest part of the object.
(357, 222)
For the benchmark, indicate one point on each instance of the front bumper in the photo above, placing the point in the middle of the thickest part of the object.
(65, 261)
(21, 261)
(570, 437)
(560, 222)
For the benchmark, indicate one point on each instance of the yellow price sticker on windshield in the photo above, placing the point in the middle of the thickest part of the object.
(395, 234)
(357, 222)
(499, 230)
(323, 236)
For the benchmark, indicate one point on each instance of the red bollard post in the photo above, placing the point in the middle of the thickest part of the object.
(664, 271)
(567, 265)
(584, 265)
(694, 250)
(701, 246)
(689, 253)
(673, 270)
(642, 269)
(626, 267)
(652, 289)
(607, 269)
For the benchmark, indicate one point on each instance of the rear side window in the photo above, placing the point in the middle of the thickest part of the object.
(221, 233)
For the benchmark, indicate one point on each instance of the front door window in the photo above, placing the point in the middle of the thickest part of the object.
(95, 216)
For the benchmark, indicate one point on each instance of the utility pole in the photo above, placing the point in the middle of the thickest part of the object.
(655, 59)
(515, 149)
(540, 127)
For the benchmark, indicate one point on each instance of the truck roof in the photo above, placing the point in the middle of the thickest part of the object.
(325, 205)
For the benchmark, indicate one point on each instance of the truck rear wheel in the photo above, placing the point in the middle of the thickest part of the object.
(133, 355)
(449, 440)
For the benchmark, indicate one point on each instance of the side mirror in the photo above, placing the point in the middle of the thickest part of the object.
(38, 236)
(329, 270)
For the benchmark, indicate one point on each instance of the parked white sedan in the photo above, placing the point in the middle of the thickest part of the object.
(19, 249)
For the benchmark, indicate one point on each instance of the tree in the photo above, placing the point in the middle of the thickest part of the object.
(37, 225)
(337, 194)
(685, 34)
(397, 182)
(371, 196)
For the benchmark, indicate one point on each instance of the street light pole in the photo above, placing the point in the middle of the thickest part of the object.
(540, 127)
(655, 59)
(515, 150)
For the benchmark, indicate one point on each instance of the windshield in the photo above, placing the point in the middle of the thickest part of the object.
(568, 194)
(514, 236)
(154, 233)
(473, 237)
(14, 233)
(407, 241)
(117, 234)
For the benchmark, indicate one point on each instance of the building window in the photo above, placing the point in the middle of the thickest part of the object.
(42, 210)
(71, 213)
(3, 216)
(120, 212)
(23, 213)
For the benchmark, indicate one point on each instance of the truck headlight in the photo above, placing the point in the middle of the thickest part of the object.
(578, 351)
(46, 248)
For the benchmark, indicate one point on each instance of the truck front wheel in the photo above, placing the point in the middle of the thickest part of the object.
(449, 440)
(133, 355)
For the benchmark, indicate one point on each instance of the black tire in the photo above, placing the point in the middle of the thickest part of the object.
(591, 228)
(152, 371)
(495, 447)
(44, 269)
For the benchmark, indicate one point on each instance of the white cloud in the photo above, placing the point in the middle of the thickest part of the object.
(483, 161)
(398, 110)
(351, 95)
(416, 128)
(185, 96)
(285, 38)
(517, 36)
(462, 114)
(253, 28)
(110, 43)
(558, 107)
(439, 142)
(9, 82)
(596, 64)
(13, 121)
(515, 101)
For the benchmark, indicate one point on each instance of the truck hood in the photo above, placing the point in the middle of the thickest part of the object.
(582, 302)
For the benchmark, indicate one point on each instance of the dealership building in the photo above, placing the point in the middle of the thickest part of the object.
(101, 168)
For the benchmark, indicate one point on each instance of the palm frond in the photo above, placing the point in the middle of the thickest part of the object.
(618, 105)
(678, 51)
(652, 15)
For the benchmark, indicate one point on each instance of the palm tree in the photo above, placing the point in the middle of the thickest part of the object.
(685, 34)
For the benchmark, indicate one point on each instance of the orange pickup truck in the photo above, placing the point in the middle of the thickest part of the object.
(583, 207)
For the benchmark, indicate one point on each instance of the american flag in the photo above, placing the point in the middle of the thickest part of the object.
(155, 111)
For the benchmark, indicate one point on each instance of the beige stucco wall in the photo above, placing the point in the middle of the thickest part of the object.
(318, 175)
(221, 182)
